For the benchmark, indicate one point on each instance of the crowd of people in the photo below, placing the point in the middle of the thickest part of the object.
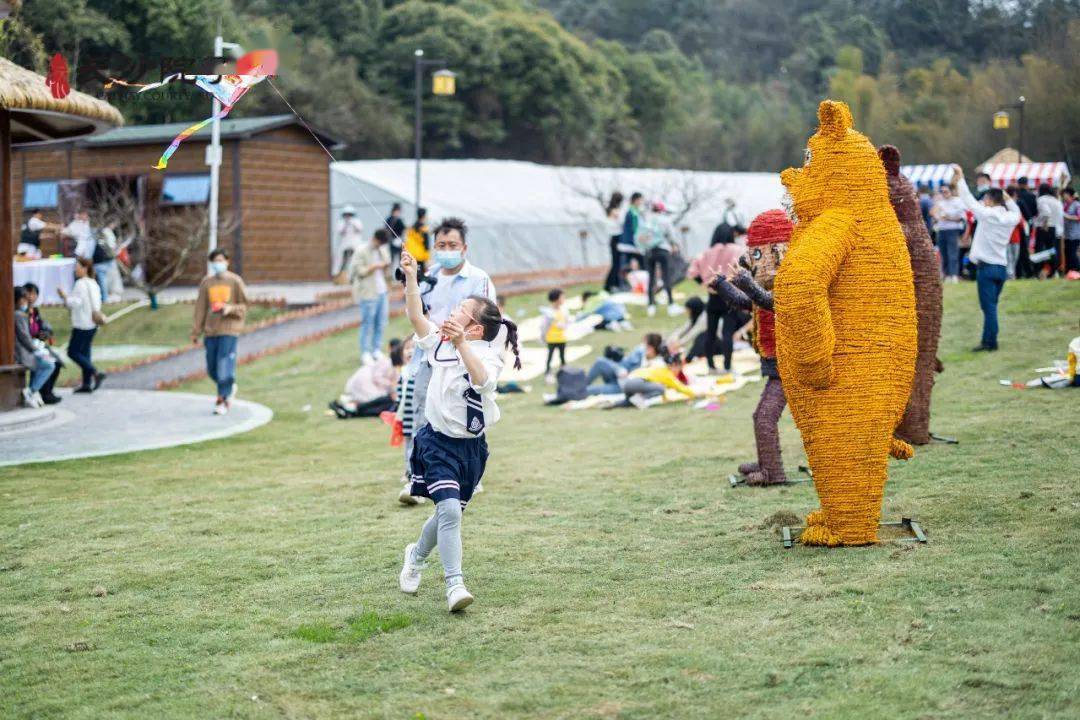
(35, 340)
(992, 235)
(96, 279)
(1044, 241)
(95, 242)
(643, 241)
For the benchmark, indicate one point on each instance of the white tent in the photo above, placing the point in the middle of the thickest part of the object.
(524, 216)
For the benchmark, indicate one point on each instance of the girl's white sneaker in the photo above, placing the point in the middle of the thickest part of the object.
(458, 598)
(405, 496)
(409, 579)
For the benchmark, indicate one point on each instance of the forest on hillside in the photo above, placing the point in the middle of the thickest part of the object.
(703, 84)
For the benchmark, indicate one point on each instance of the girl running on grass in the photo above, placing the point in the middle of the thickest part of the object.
(450, 451)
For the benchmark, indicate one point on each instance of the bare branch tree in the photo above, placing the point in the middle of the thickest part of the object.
(174, 236)
(594, 186)
(162, 247)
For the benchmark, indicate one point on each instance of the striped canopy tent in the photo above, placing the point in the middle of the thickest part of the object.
(932, 175)
(1037, 173)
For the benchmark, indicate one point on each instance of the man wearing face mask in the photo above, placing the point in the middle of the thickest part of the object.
(219, 317)
(457, 279)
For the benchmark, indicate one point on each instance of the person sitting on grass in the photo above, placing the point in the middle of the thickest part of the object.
(372, 389)
(556, 320)
(611, 371)
(636, 278)
(612, 314)
(645, 386)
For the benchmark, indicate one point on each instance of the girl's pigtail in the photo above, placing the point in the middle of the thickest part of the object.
(512, 341)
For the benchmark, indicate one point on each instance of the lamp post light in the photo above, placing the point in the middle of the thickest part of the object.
(1001, 122)
(442, 83)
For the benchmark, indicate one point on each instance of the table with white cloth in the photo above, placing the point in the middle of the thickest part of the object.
(48, 274)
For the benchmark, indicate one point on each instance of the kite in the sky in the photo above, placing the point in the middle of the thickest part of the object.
(251, 69)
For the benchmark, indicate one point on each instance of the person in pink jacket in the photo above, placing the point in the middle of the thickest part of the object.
(372, 389)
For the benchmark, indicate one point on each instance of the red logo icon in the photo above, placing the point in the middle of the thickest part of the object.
(57, 79)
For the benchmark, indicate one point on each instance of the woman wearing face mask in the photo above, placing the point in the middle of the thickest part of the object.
(84, 302)
(219, 317)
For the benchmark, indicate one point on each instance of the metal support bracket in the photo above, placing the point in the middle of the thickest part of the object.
(790, 535)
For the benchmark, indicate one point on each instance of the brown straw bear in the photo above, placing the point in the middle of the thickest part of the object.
(915, 425)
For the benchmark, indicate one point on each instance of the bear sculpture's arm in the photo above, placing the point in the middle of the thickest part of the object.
(757, 294)
(732, 295)
(802, 285)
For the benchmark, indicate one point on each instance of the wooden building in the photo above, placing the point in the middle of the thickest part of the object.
(274, 189)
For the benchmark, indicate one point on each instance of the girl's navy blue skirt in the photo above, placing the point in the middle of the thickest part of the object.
(444, 467)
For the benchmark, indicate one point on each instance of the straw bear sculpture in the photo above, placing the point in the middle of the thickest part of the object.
(915, 425)
(845, 327)
(766, 243)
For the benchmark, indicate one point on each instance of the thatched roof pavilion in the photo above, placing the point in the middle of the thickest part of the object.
(30, 114)
(36, 116)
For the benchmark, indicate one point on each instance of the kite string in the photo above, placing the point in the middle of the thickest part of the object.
(329, 154)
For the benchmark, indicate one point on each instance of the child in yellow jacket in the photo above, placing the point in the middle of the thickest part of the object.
(646, 385)
(554, 326)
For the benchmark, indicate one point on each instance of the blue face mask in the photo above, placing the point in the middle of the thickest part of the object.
(448, 259)
(218, 267)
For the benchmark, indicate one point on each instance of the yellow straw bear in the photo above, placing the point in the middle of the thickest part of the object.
(845, 327)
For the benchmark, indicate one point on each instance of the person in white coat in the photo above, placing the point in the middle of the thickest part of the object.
(84, 302)
(996, 215)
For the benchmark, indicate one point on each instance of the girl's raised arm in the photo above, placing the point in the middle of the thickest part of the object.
(414, 306)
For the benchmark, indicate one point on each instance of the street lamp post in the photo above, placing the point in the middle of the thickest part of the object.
(213, 151)
(443, 84)
(1020, 143)
(1001, 122)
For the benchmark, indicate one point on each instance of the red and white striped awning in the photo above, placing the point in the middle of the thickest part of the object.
(932, 175)
(1005, 174)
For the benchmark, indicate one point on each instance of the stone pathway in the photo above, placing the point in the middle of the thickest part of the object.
(112, 421)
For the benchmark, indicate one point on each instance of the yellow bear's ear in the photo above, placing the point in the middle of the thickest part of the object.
(834, 118)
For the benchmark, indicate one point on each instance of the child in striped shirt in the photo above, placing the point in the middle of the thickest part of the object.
(405, 412)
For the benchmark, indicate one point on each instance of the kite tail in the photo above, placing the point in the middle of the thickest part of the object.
(143, 87)
(163, 161)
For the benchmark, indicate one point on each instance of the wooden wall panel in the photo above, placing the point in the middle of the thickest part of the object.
(284, 195)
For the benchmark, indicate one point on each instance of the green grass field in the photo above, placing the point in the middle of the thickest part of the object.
(167, 327)
(616, 573)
